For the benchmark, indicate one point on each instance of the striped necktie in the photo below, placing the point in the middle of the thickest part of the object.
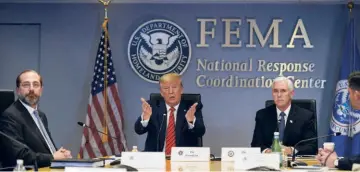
(44, 133)
(282, 125)
(170, 133)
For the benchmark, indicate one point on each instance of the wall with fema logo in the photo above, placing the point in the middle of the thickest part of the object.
(229, 53)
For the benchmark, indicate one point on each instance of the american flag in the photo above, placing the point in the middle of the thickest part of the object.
(92, 144)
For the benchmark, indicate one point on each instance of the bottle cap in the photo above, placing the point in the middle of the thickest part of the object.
(19, 161)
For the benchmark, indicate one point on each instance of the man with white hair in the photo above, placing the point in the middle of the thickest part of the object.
(292, 122)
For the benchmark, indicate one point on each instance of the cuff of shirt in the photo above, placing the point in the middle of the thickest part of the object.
(265, 150)
(192, 125)
(143, 122)
(292, 150)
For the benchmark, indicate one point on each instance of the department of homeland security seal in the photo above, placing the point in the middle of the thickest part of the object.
(158, 47)
(345, 117)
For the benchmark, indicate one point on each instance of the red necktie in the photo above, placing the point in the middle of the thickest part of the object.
(170, 133)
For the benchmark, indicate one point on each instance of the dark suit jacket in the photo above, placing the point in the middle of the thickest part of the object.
(302, 127)
(17, 123)
(347, 162)
(185, 137)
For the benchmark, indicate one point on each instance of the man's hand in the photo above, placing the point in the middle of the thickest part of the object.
(59, 155)
(146, 109)
(268, 151)
(328, 156)
(190, 114)
(66, 152)
(288, 150)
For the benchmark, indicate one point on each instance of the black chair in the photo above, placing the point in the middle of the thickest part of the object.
(7, 97)
(187, 97)
(309, 104)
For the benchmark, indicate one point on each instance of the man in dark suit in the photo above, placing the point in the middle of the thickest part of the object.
(329, 157)
(23, 122)
(172, 122)
(292, 122)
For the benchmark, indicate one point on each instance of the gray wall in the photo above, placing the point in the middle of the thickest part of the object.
(60, 40)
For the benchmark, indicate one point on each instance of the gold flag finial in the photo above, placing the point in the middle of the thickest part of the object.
(106, 4)
(350, 5)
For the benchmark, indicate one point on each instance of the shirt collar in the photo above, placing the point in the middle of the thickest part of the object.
(168, 107)
(29, 108)
(287, 111)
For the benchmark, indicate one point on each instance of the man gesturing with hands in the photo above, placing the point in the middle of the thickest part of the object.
(171, 122)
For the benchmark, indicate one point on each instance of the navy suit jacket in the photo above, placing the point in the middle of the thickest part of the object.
(156, 128)
(17, 123)
(300, 125)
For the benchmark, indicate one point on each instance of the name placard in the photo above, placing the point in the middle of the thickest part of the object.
(228, 153)
(90, 169)
(142, 160)
(247, 161)
(190, 154)
(190, 166)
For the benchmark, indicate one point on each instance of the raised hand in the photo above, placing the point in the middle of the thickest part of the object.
(190, 115)
(146, 109)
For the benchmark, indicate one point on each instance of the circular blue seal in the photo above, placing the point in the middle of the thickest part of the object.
(343, 114)
(158, 47)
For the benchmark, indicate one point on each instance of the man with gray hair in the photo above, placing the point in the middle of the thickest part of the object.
(292, 122)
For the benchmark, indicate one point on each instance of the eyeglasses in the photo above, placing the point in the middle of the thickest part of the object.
(28, 85)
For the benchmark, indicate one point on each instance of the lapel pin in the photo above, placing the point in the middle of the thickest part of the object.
(291, 121)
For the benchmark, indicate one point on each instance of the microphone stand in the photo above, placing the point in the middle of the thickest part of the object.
(293, 162)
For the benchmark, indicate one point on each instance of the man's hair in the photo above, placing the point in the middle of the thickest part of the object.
(282, 78)
(170, 77)
(18, 81)
(354, 80)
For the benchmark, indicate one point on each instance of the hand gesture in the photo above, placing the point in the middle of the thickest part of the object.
(66, 152)
(146, 109)
(190, 115)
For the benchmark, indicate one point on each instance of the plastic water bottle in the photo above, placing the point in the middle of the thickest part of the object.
(276, 147)
(19, 166)
(134, 149)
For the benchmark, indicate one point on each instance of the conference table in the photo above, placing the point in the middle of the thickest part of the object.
(200, 166)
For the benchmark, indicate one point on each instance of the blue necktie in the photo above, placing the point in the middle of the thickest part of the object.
(44, 133)
(282, 125)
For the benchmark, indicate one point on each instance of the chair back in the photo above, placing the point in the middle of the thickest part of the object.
(7, 97)
(309, 104)
(187, 97)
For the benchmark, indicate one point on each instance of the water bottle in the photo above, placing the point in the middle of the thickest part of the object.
(19, 166)
(134, 149)
(275, 147)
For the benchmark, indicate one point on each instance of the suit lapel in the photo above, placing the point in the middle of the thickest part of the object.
(273, 120)
(289, 121)
(161, 118)
(31, 123)
(180, 120)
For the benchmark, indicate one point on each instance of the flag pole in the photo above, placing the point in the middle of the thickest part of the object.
(350, 6)
(106, 55)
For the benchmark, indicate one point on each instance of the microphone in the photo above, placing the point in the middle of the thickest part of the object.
(115, 162)
(22, 144)
(158, 136)
(305, 140)
(85, 126)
